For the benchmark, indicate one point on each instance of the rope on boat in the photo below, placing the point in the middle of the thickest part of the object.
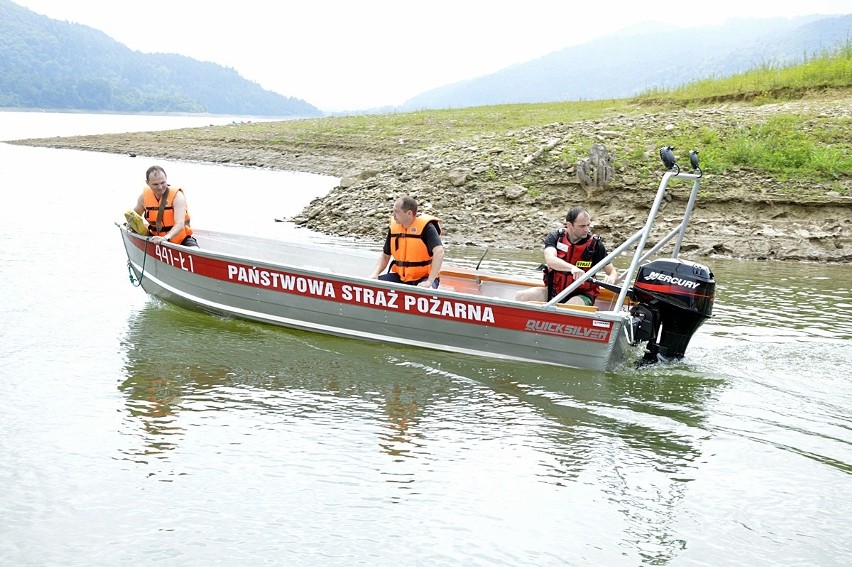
(133, 280)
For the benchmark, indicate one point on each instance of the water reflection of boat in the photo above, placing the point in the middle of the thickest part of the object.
(321, 288)
(205, 364)
(210, 357)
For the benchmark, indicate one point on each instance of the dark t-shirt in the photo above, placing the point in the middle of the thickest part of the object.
(430, 235)
(600, 250)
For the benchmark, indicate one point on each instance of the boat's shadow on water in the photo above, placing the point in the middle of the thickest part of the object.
(177, 360)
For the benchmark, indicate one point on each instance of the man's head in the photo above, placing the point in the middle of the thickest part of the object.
(155, 177)
(404, 210)
(578, 223)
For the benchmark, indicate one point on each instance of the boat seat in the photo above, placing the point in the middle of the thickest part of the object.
(589, 308)
(478, 277)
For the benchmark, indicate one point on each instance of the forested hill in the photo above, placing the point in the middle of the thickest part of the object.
(49, 64)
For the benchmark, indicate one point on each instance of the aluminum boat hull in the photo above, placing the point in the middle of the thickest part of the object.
(323, 289)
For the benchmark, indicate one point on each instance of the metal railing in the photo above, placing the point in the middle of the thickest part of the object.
(642, 235)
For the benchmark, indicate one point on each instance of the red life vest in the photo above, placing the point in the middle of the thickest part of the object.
(581, 255)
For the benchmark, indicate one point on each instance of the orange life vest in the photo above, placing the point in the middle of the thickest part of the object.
(411, 257)
(152, 208)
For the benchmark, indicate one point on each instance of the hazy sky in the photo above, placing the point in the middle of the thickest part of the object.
(358, 54)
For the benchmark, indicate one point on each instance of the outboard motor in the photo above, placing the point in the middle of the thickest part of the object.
(675, 298)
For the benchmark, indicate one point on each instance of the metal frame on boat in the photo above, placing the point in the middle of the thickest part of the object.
(324, 288)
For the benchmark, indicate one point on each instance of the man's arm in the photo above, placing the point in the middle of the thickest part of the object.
(610, 271)
(383, 259)
(436, 249)
(179, 205)
(140, 205)
(611, 274)
(555, 263)
(435, 269)
(380, 266)
(550, 258)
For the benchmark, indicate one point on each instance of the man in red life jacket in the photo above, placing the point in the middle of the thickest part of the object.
(414, 243)
(568, 253)
(165, 210)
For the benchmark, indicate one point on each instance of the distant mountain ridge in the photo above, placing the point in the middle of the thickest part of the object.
(49, 64)
(633, 61)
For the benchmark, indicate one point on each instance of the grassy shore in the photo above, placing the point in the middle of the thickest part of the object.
(788, 145)
(783, 146)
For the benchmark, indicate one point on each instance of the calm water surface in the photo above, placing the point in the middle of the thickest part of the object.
(136, 432)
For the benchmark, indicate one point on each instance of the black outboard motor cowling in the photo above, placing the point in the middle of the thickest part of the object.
(675, 296)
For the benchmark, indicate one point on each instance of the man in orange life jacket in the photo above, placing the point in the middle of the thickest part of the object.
(568, 253)
(165, 210)
(414, 243)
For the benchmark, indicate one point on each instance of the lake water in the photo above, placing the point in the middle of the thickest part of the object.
(134, 432)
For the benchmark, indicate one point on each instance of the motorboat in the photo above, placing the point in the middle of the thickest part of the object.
(658, 305)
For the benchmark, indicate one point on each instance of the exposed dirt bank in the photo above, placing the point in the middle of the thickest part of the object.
(509, 189)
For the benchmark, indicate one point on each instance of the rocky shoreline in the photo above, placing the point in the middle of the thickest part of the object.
(509, 189)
